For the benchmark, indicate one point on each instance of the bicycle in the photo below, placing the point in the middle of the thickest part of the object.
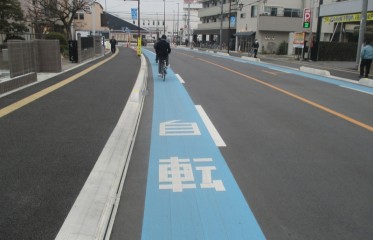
(163, 68)
(251, 52)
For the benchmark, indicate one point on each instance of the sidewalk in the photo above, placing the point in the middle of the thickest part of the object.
(66, 65)
(341, 70)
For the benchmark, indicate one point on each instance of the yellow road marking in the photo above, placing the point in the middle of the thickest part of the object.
(23, 102)
(337, 114)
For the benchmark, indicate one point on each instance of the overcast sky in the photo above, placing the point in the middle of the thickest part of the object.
(148, 8)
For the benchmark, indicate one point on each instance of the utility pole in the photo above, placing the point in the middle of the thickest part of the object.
(164, 17)
(221, 24)
(318, 30)
(229, 23)
(310, 37)
(363, 24)
(177, 32)
(190, 42)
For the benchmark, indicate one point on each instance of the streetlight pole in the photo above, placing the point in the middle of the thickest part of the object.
(138, 30)
(164, 17)
(177, 30)
(363, 24)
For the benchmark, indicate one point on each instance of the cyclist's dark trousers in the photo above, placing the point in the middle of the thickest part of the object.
(365, 65)
(159, 64)
(255, 52)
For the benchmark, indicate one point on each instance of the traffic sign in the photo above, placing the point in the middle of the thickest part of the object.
(307, 18)
(134, 13)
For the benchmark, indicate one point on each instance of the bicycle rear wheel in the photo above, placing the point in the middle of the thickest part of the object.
(164, 70)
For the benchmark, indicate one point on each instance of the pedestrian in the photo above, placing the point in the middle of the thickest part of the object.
(113, 42)
(163, 49)
(155, 48)
(255, 46)
(366, 59)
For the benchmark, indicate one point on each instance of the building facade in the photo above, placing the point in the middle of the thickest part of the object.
(268, 21)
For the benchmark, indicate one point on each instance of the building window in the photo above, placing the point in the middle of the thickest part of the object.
(272, 11)
(81, 16)
(254, 11)
(289, 12)
(76, 16)
(243, 15)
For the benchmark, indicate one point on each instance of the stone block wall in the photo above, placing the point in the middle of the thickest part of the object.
(48, 56)
(21, 57)
(17, 82)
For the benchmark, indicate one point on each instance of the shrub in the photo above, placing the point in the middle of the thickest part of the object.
(61, 38)
(283, 48)
(13, 37)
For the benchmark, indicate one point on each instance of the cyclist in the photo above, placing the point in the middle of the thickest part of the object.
(255, 46)
(155, 48)
(162, 50)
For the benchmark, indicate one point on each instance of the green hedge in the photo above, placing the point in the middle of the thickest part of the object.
(336, 51)
(13, 37)
(61, 38)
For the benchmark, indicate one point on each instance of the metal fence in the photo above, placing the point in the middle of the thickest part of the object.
(87, 42)
(26, 36)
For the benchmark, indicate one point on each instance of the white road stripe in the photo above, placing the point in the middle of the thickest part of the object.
(180, 79)
(210, 127)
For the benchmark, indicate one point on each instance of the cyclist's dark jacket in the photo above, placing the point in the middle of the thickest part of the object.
(163, 49)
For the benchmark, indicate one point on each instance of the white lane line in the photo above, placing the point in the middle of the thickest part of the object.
(355, 89)
(210, 127)
(180, 79)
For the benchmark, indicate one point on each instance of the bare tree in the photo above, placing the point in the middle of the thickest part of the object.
(37, 18)
(60, 11)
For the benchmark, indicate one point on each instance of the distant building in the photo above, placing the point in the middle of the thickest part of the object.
(344, 18)
(98, 22)
(268, 21)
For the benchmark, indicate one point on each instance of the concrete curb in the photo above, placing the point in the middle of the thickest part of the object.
(91, 214)
(315, 71)
(251, 59)
(223, 54)
(366, 82)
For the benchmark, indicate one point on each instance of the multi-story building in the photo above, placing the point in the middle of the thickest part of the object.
(344, 18)
(180, 19)
(89, 22)
(271, 22)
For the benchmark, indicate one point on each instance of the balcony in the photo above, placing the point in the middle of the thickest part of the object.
(280, 24)
(212, 11)
(213, 25)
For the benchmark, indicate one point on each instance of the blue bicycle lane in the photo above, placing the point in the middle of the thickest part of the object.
(190, 193)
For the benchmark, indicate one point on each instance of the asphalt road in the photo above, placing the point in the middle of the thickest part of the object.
(49, 146)
(297, 145)
(299, 148)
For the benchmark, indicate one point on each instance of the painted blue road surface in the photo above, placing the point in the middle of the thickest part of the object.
(191, 193)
